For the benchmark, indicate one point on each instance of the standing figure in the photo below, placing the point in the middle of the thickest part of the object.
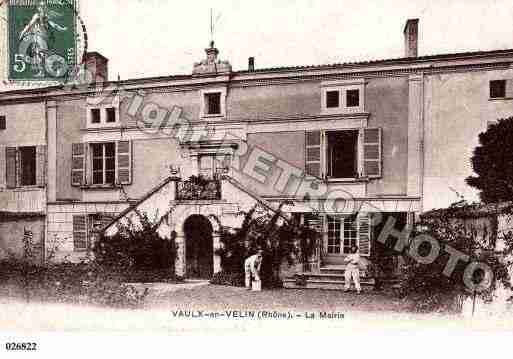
(252, 266)
(352, 270)
(37, 32)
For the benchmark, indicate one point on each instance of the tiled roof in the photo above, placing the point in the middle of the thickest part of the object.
(357, 64)
(399, 60)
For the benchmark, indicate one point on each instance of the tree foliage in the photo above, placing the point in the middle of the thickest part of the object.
(136, 248)
(429, 287)
(492, 161)
(281, 240)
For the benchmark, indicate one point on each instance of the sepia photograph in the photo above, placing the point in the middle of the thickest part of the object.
(254, 168)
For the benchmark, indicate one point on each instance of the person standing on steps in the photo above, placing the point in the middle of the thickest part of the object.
(352, 270)
(252, 266)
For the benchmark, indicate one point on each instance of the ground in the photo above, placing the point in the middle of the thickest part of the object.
(215, 297)
(360, 312)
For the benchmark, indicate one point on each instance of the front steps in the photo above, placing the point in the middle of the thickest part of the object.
(329, 277)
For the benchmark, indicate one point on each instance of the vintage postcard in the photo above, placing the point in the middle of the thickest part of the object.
(254, 168)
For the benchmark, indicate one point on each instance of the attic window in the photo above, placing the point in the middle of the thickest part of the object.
(95, 115)
(332, 99)
(498, 89)
(213, 103)
(353, 98)
(111, 114)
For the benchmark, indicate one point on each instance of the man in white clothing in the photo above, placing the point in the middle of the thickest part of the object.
(352, 270)
(252, 268)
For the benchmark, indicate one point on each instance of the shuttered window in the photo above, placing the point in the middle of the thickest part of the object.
(2, 167)
(364, 235)
(10, 166)
(80, 232)
(124, 163)
(372, 152)
(78, 163)
(313, 153)
(23, 166)
(41, 165)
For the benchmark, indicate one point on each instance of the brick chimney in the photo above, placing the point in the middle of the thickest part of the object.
(411, 38)
(98, 65)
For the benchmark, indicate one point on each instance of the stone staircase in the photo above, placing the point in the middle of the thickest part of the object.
(329, 277)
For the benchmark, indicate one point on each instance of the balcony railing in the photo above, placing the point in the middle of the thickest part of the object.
(198, 188)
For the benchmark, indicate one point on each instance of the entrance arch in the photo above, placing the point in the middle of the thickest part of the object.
(199, 247)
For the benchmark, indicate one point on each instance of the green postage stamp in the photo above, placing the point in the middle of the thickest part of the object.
(42, 39)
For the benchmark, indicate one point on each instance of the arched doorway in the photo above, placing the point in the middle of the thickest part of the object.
(199, 247)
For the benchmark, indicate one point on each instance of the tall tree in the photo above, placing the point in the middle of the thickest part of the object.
(492, 161)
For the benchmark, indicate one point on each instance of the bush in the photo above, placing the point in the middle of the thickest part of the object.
(137, 249)
(428, 288)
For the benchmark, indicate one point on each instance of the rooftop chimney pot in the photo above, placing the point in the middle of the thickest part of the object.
(411, 38)
(98, 65)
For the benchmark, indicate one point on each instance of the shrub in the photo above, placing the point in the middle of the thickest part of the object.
(428, 287)
(137, 249)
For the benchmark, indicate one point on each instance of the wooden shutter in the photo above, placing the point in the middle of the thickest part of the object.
(124, 162)
(11, 154)
(2, 167)
(78, 164)
(41, 165)
(313, 154)
(372, 152)
(80, 232)
(364, 235)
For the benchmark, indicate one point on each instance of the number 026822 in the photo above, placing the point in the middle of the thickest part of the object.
(20, 346)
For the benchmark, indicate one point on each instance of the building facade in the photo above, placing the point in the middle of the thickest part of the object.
(343, 147)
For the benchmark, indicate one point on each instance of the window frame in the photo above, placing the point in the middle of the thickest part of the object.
(22, 182)
(358, 155)
(114, 111)
(343, 86)
(204, 102)
(103, 108)
(3, 122)
(325, 148)
(104, 170)
(340, 221)
(503, 83)
(348, 91)
(328, 98)
(93, 118)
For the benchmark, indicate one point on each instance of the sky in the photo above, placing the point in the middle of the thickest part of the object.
(144, 38)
